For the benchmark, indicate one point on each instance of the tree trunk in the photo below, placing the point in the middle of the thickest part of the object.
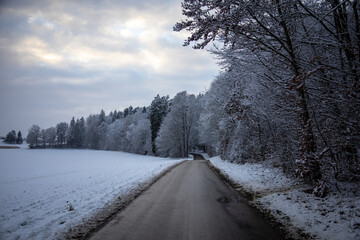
(309, 167)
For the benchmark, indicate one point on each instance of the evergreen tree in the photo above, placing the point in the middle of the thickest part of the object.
(126, 112)
(82, 130)
(131, 110)
(119, 115)
(11, 137)
(158, 109)
(79, 133)
(112, 115)
(19, 139)
(101, 117)
(71, 133)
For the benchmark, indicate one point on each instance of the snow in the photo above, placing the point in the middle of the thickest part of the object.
(38, 188)
(336, 216)
(332, 217)
(254, 178)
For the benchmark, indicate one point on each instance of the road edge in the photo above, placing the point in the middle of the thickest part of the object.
(97, 221)
(265, 213)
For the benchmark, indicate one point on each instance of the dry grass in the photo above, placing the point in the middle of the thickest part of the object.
(9, 147)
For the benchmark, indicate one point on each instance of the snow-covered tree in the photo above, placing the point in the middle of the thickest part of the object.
(33, 136)
(96, 128)
(11, 137)
(50, 136)
(130, 134)
(138, 133)
(261, 27)
(101, 134)
(116, 135)
(61, 130)
(19, 139)
(214, 112)
(295, 65)
(175, 135)
(79, 132)
(91, 134)
(101, 116)
(43, 137)
(70, 135)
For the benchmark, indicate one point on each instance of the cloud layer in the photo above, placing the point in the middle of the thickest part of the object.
(60, 59)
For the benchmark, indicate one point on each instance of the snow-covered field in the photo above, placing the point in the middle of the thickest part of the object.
(45, 192)
(336, 216)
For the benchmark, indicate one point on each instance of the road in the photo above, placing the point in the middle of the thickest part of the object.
(190, 202)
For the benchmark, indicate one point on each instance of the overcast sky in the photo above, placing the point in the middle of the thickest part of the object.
(60, 59)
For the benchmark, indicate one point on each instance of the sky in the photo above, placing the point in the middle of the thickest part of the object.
(60, 59)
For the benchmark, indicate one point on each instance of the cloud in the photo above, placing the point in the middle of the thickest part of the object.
(65, 58)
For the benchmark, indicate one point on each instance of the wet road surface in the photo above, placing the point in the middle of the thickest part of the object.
(189, 202)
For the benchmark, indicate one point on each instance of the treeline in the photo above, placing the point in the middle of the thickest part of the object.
(289, 92)
(168, 127)
(13, 138)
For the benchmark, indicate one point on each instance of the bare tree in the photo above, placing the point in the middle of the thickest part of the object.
(33, 136)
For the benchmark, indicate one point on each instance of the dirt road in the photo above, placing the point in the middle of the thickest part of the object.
(190, 202)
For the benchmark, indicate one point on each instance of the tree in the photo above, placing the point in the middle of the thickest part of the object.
(61, 129)
(138, 133)
(71, 134)
(101, 133)
(43, 137)
(116, 136)
(158, 109)
(101, 117)
(91, 137)
(79, 132)
(114, 116)
(216, 136)
(33, 136)
(175, 134)
(50, 136)
(128, 111)
(19, 139)
(261, 27)
(304, 57)
(130, 134)
(11, 137)
(96, 131)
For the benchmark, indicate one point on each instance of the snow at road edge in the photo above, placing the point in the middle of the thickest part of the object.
(336, 216)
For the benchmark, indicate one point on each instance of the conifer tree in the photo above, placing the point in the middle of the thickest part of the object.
(11, 137)
(158, 109)
(19, 139)
(71, 133)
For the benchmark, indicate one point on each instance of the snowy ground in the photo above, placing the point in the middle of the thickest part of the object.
(336, 216)
(45, 192)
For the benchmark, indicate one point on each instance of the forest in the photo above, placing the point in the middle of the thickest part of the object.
(287, 93)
